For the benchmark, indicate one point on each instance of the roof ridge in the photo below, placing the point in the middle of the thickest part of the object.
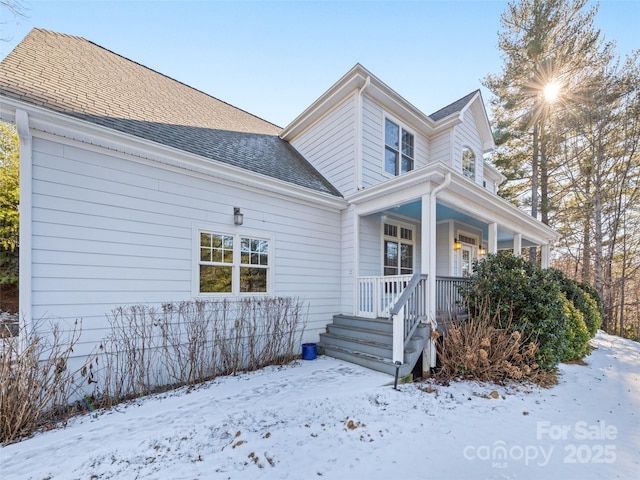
(464, 99)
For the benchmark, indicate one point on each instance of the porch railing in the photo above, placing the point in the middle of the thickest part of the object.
(377, 294)
(407, 312)
(403, 299)
(449, 301)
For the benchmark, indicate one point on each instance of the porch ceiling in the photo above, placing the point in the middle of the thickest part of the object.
(443, 213)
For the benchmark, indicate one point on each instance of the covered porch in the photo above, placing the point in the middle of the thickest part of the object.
(414, 242)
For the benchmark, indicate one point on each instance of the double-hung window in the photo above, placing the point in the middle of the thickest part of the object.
(398, 149)
(232, 264)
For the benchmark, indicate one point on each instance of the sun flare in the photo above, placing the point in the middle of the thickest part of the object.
(551, 91)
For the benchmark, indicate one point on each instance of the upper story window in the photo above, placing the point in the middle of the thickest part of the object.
(468, 163)
(398, 149)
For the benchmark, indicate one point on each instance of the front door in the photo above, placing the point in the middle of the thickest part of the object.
(466, 261)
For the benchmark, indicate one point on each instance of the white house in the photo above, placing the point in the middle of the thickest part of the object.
(364, 207)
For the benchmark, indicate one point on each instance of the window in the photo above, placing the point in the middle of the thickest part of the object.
(254, 262)
(468, 163)
(398, 150)
(398, 250)
(233, 264)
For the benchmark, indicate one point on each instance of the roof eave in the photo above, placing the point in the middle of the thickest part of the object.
(476, 105)
(353, 81)
(55, 123)
(399, 190)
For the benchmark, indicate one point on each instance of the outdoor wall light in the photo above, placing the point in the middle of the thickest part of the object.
(457, 245)
(482, 250)
(238, 217)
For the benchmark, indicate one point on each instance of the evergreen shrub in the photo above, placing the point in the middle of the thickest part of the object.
(528, 296)
(576, 343)
(584, 297)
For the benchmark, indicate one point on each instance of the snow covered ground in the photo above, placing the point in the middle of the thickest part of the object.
(330, 419)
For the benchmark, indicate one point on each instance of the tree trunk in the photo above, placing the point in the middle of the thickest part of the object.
(544, 180)
(533, 257)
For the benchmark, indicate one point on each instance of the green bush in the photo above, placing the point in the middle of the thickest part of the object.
(591, 307)
(576, 344)
(584, 297)
(527, 295)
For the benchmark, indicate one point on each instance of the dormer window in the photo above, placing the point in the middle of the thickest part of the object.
(398, 150)
(468, 163)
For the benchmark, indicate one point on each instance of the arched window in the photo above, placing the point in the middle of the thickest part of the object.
(468, 163)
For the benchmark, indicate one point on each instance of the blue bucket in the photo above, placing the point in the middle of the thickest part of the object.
(309, 351)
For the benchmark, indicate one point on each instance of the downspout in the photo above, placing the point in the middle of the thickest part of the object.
(432, 245)
(444, 184)
(356, 219)
(359, 136)
(25, 207)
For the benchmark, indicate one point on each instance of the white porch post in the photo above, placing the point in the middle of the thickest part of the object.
(428, 257)
(544, 253)
(428, 266)
(492, 247)
(517, 244)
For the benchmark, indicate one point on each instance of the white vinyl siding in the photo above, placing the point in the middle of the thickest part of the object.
(370, 246)
(330, 146)
(111, 231)
(444, 248)
(441, 148)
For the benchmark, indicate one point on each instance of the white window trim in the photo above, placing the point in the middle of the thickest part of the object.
(403, 126)
(475, 162)
(235, 287)
(383, 237)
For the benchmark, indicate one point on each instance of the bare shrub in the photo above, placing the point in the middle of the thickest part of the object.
(35, 381)
(270, 332)
(151, 348)
(487, 349)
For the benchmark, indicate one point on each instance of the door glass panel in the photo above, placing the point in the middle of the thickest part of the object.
(466, 261)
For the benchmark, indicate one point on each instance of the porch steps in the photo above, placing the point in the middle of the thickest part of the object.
(368, 342)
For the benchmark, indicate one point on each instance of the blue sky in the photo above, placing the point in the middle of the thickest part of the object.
(274, 58)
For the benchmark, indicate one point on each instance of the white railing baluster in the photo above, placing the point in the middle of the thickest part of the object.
(377, 294)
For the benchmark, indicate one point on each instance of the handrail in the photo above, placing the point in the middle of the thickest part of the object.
(407, 313)
(406, 293)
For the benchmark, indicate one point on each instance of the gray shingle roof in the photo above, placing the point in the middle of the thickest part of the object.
(76, 77)
(453, 108)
